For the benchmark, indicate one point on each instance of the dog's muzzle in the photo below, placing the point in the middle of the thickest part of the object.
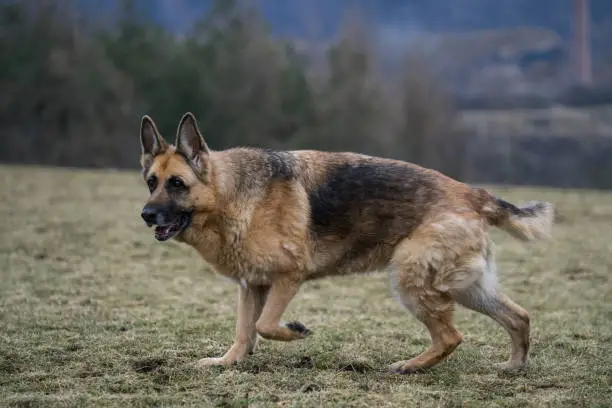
(168, 221)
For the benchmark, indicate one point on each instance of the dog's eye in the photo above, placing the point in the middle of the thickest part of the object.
(152, 183)
(176, 182)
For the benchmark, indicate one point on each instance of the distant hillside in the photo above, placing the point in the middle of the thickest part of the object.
(322, 17)
(510, 47)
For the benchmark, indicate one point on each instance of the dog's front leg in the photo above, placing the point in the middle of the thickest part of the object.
(250, 304)
(268, 325)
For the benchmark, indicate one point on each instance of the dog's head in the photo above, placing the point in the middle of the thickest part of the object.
(178, 177)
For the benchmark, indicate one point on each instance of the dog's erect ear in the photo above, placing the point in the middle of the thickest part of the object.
(151, 141)
(190, 143)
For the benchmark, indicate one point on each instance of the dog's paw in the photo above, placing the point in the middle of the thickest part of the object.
(405, 367)
(512, 368)
(298, 328)
(214, 361)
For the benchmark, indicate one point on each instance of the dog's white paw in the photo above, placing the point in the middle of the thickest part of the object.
(213, 361)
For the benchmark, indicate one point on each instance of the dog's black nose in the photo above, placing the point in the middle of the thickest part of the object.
(149, 214)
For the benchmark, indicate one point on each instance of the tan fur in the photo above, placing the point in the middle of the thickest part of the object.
(262, 238)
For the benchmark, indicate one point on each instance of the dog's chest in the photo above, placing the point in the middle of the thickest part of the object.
(251, 258)
(259, 262)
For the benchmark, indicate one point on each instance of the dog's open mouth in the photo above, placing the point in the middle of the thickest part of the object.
(167, 231)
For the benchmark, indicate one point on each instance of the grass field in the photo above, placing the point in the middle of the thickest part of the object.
(95, 312)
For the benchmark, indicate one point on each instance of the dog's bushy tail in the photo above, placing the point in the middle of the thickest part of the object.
(530, 221)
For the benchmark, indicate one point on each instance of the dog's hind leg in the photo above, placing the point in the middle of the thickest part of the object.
(268, 326)
(437, 258)
(250, 304)
(483, 296)
(504, 311)
(435, 310)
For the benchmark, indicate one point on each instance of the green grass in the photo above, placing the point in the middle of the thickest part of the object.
(95, 312)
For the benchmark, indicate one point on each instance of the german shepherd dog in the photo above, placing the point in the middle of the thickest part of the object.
(271, 220)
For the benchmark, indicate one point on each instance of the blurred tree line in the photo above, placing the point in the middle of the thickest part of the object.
(73, 91)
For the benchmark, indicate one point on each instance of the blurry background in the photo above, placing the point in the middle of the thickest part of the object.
(516, 92)
(95, 312)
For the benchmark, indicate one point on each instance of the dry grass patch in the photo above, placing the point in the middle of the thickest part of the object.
(94, 312)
